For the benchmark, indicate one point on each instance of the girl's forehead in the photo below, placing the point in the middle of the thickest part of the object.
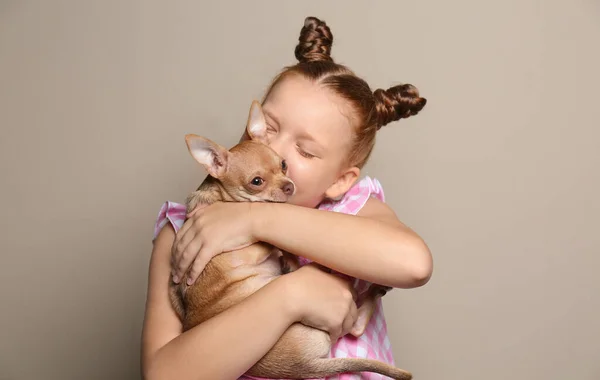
(307, 106)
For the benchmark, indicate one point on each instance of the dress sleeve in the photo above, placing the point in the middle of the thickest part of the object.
(355, 198)
(170, 212)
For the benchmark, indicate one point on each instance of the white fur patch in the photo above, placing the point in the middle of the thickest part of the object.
(257, 125)
(202, 151)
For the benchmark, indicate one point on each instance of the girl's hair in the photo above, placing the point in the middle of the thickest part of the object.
(371, 110)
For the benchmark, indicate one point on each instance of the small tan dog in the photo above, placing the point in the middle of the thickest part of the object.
(251, 171)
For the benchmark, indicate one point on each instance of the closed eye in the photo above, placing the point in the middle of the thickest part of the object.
(271, 129)
(304, 153)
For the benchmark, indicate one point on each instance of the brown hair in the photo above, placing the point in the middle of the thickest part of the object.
(370, 110)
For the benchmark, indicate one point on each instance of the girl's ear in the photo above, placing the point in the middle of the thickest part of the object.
(209, 154)
(257, 124)
(343, 183)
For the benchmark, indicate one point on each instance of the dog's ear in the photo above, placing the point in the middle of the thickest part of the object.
(211, 155)
(257, 124)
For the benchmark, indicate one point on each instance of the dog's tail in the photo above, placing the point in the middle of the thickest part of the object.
(327, 367)
(321, 368)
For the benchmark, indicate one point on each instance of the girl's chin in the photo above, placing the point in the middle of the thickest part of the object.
(310, 203)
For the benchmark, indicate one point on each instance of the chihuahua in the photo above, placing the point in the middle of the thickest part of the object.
(252, 172)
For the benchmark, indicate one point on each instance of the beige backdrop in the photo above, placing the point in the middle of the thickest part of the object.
(500, 173)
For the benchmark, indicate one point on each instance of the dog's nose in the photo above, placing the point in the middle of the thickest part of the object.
(288, 188)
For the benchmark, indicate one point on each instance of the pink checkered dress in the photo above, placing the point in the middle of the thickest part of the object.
(374, 343)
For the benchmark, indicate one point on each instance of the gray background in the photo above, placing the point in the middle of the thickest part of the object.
(499, 174)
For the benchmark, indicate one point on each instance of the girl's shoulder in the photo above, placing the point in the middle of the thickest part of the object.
(355, 198)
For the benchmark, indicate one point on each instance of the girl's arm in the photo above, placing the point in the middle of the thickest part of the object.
(374, 245)
(227, 345)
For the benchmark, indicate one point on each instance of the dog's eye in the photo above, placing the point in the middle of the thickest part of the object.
(283, 165)
(257, 181)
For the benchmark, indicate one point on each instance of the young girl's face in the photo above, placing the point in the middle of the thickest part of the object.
(308, 126)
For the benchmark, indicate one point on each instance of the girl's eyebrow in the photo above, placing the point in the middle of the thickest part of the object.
(270, 116)
(312, 140)
(305, 136)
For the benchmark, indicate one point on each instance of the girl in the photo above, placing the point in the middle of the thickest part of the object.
(322, 120)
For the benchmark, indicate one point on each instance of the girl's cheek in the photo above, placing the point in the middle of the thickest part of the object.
(297, 174)
(300, 166)
(295, 178)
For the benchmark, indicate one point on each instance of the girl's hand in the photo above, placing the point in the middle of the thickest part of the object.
(322, 300)
(209, 231)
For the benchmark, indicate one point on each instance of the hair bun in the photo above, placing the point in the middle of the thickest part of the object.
(314, 42)
(398, 102)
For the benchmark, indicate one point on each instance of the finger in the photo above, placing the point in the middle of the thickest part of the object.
(187, 257)
(180, 235)
(350, 319)
(198, 266)
(185, 235)
(347, 326)
(187, 224)
(180, 246)
(362, 319)
(334, 335)
(353, 314)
